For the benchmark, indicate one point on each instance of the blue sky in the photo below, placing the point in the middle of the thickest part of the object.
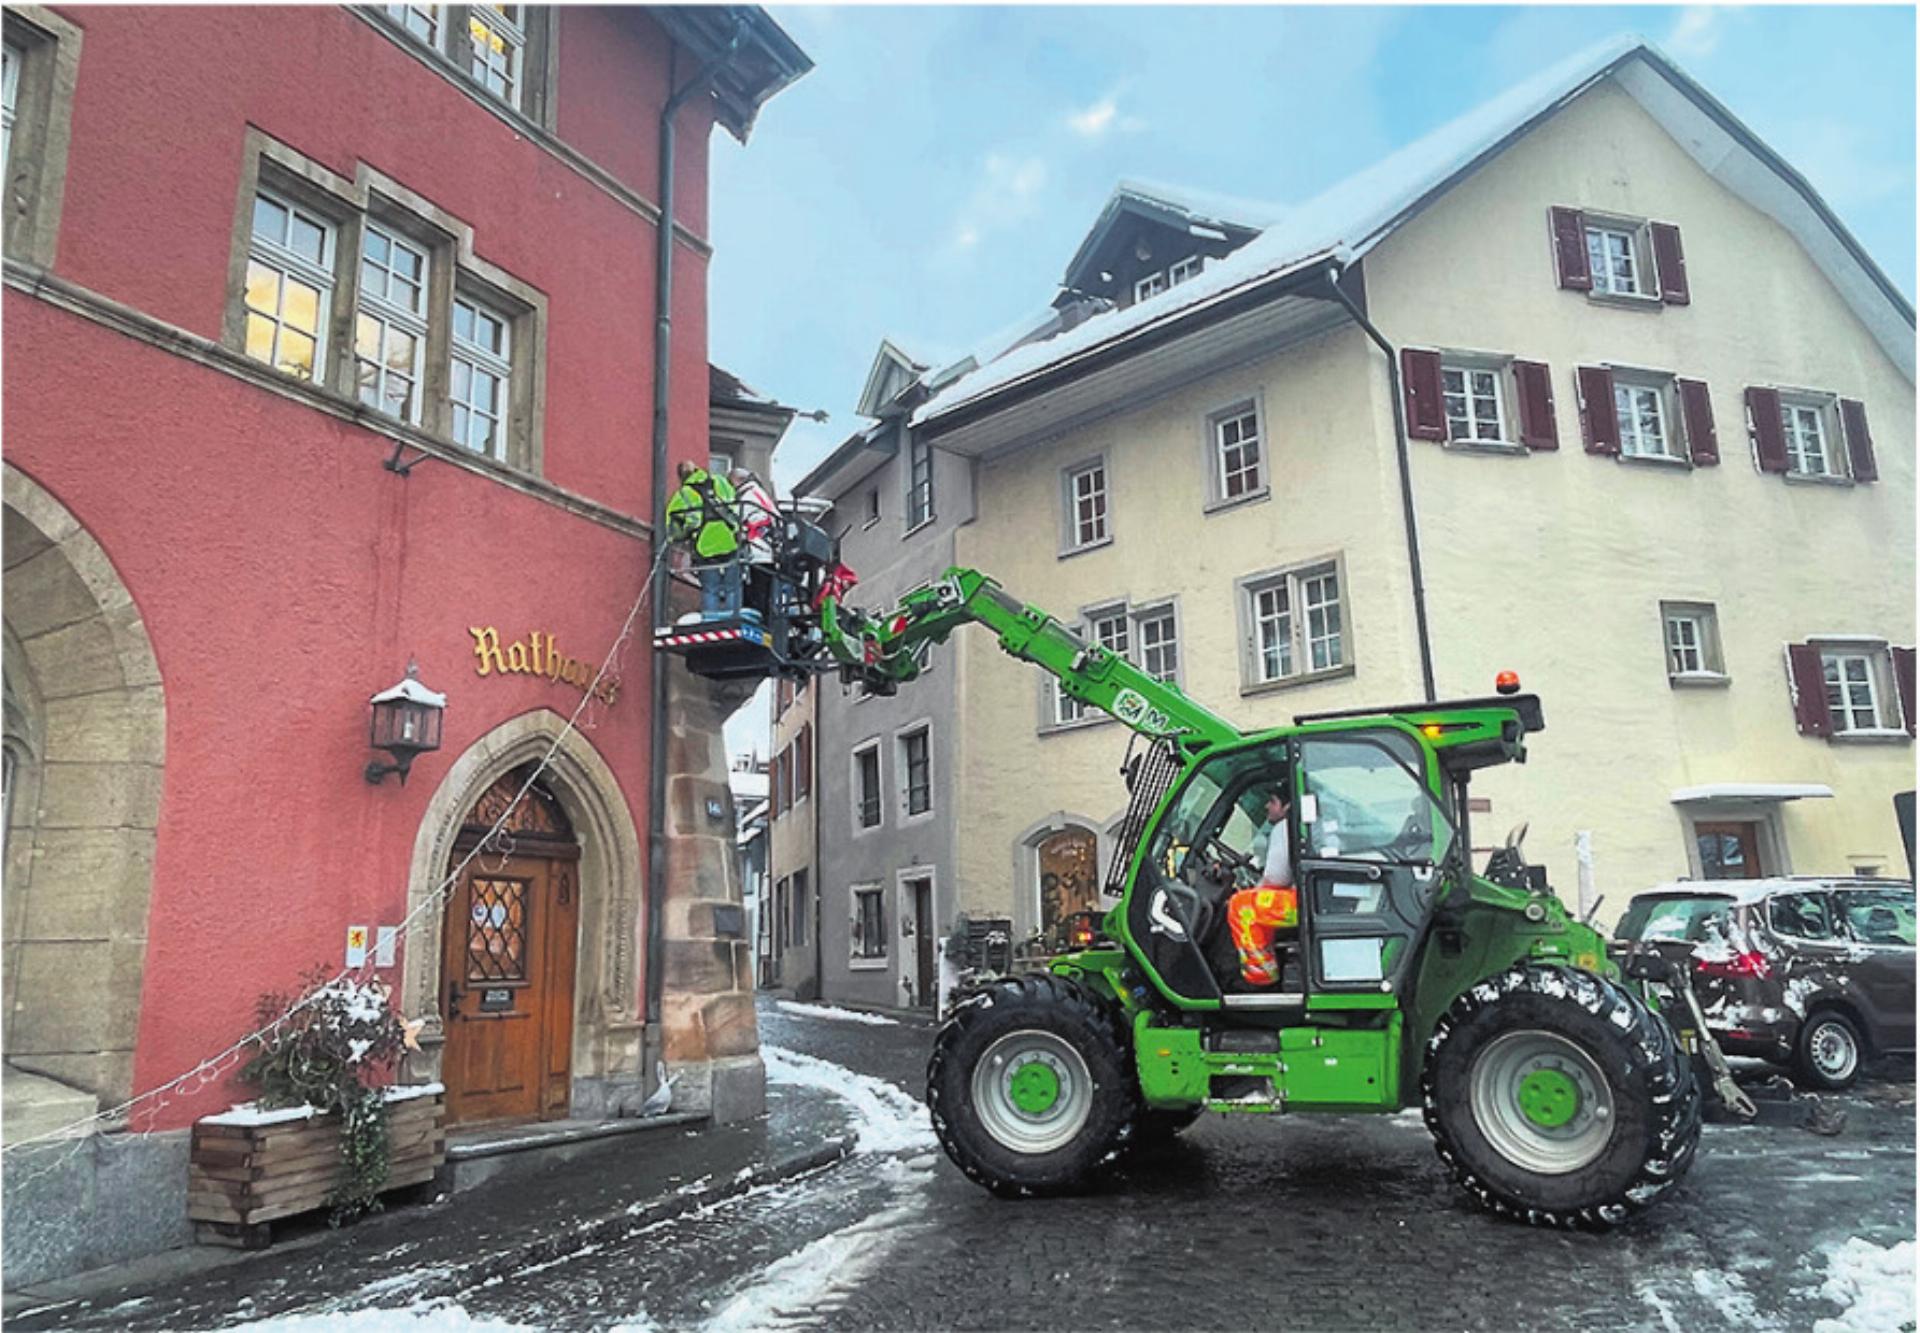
(930, 178)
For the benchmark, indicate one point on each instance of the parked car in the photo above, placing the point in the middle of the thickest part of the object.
(1809, 972)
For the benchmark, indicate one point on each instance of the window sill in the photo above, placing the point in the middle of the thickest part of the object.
(1068, 552)
(911, 821)
(867, 964)
(1627, 300)
(1698, 679)
(1657, 460)
(871, 522)
(1238, 501)
(867, 831)
(1293, 682)
(926, 522)
(1873, 736)
(1096, 718)
(1813, 479)
(1506, 448)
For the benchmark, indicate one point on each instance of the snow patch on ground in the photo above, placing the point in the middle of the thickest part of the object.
(1651, 1297)
(1729, 1295)
(1872, 1284)
(835, 1013)
(888, 1119)
(413, 1319)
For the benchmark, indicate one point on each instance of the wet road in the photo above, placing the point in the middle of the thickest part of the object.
(1321, 1223)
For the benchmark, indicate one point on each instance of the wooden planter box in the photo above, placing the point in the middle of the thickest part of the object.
(247, 1169)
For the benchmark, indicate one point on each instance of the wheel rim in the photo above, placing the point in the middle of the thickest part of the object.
(1032, 1091)
(1541, 1101)
(1833, 1050)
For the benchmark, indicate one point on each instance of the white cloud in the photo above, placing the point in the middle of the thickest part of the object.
(1094, 121)
(1696, 33)
(1007, 192)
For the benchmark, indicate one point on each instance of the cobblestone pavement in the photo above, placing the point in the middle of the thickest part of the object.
(1315, 1223)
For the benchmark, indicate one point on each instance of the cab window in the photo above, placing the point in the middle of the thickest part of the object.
(1368, 804)
(1197, 816)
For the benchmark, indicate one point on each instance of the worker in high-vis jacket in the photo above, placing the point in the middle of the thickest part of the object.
(1255, 914)
(703, 512)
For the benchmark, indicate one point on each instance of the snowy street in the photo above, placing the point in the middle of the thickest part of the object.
(1776, 1228)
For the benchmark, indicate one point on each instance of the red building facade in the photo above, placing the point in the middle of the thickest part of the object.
(329, 348)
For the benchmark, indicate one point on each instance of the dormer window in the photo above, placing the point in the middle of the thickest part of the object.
(1155, 283)
(1151, 285)
(1184, 269)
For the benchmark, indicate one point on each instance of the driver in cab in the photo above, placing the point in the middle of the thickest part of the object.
(1253, 915)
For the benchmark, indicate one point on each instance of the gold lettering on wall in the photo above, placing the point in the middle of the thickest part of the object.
(536, 655)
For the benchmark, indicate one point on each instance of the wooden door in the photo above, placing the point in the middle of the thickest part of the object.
(507, 969)
(1729, 851)
(925, 993)
(1069, 876)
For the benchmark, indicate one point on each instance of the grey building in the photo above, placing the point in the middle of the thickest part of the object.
(885, 766)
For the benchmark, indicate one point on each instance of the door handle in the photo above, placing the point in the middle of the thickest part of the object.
(454, 994)
(1341, 869)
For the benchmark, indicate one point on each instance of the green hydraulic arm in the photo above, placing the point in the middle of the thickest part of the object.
(883, 651)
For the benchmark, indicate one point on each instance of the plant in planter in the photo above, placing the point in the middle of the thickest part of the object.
(335, 1050)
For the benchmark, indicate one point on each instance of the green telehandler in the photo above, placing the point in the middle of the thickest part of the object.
(1555, 1090)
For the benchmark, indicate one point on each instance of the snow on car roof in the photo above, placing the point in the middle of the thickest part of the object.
(1752, 890)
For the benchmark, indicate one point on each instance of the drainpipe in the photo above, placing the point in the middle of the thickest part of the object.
(662, 345)
(1406, 481)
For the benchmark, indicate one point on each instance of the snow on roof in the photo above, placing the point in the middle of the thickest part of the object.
(1752, 890)
(1750, 791)
(412, 691)
(1205, 206)
(1347, 220)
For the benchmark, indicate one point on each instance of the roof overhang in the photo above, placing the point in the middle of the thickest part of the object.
(764, 61)
(1145, 363)
(1750, 793)
(855, 458)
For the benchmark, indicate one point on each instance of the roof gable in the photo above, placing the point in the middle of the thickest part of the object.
(892, 374)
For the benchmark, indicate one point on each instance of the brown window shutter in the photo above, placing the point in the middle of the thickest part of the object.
(1533, 384)
(1696, 409)
(1598, 424)
(1570, 248)
(1903, 679)
(1807, 683)
(1853, 420)
(1769, 437)
(1420, 383)
(1669, 263)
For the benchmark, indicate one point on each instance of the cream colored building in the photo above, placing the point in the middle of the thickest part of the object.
(1210, 473)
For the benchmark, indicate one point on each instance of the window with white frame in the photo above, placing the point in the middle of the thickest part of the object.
(866, 786)
(1616, 256)
(1809, 431)
(390, 327)
(11, 58)
(482, 374)
(1183, 270)
(868, 927)
(1856, 689)
(720, 465)
(1156, 631)
(290, 266)
(916, 771)
(1693, 641)
(498, 39)
(1645, 419)
(1295, 624)
(1237, 464)
(422, 21)
(1150, 286)
(1086, 497)
(1476, 411)
(919, 480)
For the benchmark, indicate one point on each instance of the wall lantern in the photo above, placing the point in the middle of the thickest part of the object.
(406, 722)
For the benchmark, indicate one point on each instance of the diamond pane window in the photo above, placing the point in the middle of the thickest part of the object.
(497, 930)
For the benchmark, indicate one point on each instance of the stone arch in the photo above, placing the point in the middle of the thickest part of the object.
(86, 743)
(1027, 916)
(608, 1028)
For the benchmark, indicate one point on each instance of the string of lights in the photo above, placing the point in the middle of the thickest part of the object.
(204, 1074)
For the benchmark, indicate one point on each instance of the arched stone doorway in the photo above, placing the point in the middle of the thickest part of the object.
(605, 1053)
(510, 940)
(1057, 864)
(85, 741)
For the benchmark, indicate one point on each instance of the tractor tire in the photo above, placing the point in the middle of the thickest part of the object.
(1558, 1098)
(1828, 1053)
(1031, 1085)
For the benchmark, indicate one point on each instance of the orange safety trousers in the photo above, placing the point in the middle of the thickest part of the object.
(1253, 915)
